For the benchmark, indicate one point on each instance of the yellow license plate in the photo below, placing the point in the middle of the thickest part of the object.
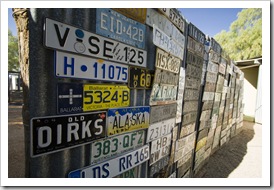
(98, 97)
(138, 14)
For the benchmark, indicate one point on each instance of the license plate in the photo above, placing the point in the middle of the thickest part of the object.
(189, 118)
(163, 94)
(55, 133)
(205, 115)
(165, 77)
(214, 57)
(106, 148)
(179, 111)
(112, 24)
(101, 96)
(192, 83)
(156, 167)
(211, 77)
(114, 167)
(194, 72)
(167, 62)
(154, 17)
(160, 148)
(176, 18)
(194, 32)
(215, 46)
(77, 66)
(160, 129)
(163, 41)
(183, 160)
(209, 87)
(190, 106)
(186, 130)
(140, 78)
(123, 120)
(212, 67)
(72, 39)
(180, 143)
(208, 96)
(191, 94)
(161, 113)
(195, 46)
(181, 87)
(138, 14)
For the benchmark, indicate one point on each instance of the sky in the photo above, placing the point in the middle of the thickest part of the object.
(209, 20)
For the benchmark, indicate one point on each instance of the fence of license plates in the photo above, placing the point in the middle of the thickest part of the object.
(130, 92)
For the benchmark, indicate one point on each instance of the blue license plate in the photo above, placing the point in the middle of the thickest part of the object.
(112, 24)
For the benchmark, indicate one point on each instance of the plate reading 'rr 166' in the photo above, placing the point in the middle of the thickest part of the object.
(77, 66)
(115, 166)
(68, 38)
(123, 120)
(99, 96)
(55, 133)
(112, 24)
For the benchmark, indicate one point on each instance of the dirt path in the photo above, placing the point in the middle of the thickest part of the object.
(16, 146)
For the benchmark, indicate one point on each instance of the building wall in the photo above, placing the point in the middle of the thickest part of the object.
(250, 91)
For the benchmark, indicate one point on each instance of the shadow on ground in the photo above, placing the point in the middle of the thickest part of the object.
(230, 155)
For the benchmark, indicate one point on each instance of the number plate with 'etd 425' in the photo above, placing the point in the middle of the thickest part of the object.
(99, 96)
(112, 24)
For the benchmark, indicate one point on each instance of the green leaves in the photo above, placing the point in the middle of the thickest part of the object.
(13, 60)
(244, 39)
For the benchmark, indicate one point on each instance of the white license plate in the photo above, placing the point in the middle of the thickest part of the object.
(154, 17)
(165, 77)
(174, 17)
(208, 96)
(72, 39)
(116, 145)
(161, 113)
(160, 148)
(114, 167)
(163, 94)
(167, 62)
(163, 41)
(160, 129)
(82, 67)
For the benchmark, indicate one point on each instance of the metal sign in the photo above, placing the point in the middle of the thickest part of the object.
(161, 113)
(157, 166)
(215, 46)
(160, 148)
(109, 147)
(175, 17)
(208, 96)
(214, 57)
(55, 133)
(165, 77)
(114, 167)
(167, 62)
(212, 67)
(180, 143)
(189, 118)
(69, 98)
(163, 94)
(160, 129)
(191, 94)
(186, 130)
(179, 111)
(195, 46)
(140, 78)
(211, 77)
(103, 96)
(184, 159)
(112, 24)
(192, 83)
(138, 14)
(123, 120)
(65, 37)
(195, 33)
(81, 67)
(210, 87)
(190, 106)
(163, 41)
(193, 71)
(154, 17)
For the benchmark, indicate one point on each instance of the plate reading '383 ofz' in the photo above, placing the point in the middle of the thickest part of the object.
(99, 96)
(112, 24)
(54, 133)
(72, 39)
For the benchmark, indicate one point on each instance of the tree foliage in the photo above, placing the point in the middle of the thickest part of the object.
(244, 39)
(13, 59)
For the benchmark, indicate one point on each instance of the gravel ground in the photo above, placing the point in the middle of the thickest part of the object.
(240, 157)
